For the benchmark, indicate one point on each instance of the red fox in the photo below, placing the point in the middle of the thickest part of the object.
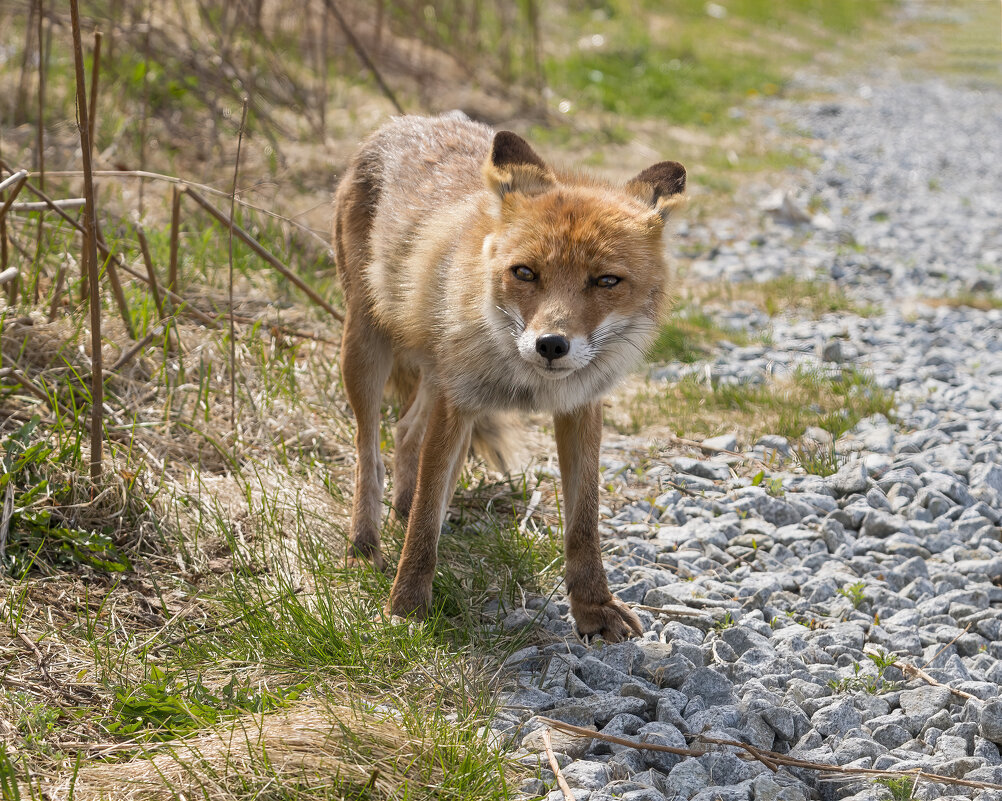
(486, 281)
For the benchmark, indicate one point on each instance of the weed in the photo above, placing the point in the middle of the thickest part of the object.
(883, 660)
(818, 459)
(724, 623)
(900, 787)
(854, 592)
(863, 682)
(39, 530)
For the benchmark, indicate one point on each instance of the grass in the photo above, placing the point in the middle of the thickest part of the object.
(785, 295)
(688, 66)
(786, 406)
(982, 301)
(690, 335)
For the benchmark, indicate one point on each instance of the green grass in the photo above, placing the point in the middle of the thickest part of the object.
(680, 64)
(784, 406)
(789, 295)
(690, 335)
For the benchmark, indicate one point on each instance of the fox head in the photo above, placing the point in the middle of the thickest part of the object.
(577, 270)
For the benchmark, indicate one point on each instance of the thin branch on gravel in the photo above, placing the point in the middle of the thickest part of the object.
(555, 767)
(772, 756)
(911, 670)
(940, 651)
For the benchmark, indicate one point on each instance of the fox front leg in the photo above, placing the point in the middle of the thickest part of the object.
(596, 612)
(443, 452)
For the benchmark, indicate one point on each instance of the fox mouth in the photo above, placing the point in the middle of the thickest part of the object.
(554, 372)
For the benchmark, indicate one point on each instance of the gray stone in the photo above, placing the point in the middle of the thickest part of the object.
(587, 775)
(706, 683)
(925, 701)
(990, 724)
(688, 777)
(850, 478)
(661, 734)
(837, 719)
(714, 471)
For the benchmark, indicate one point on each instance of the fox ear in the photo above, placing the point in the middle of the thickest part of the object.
(513, 166)
(661, 186)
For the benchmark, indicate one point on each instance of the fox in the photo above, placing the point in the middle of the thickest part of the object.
(480, 281)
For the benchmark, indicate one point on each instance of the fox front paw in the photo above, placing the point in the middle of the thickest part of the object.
(360, 556)
(409, 601)
(613, 621)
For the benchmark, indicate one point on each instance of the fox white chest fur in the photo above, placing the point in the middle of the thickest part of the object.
(484, 280)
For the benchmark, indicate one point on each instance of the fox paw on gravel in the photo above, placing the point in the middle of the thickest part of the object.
(612, 621)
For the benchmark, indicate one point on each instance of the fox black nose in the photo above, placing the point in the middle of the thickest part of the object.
(552, 346)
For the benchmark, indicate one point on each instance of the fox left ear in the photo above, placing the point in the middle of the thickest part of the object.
(661, 186)
(513, 166)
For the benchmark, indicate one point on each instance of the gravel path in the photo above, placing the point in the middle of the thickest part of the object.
(783, 609)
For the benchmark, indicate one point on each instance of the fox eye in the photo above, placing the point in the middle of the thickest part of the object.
(523, 273)
(607, 280)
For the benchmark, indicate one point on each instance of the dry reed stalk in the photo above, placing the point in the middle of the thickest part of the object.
(39, 141)
(21, 98)
(555, 767)
(144, 248)
(128, 355)
(57, 292)
(233, 332)
(64, 203)
(175, 233)
(261, 251)
(116, 284)
(95, 73)
(90, 254)
(106, 252)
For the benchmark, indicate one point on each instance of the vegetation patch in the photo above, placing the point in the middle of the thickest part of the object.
(786, 406)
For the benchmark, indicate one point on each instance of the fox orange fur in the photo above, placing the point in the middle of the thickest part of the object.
(486, 281)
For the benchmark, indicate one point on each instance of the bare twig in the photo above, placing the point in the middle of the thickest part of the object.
(363, 56)
(128, 355)
(229, 240)
(14, 183)
(175, 224)
(555, 767)
(33, 388)
(936, 655)
(116, 284)
(144, 248)
(256, 246)
(57, 291)
(912, 670)
(8, 275)
(90, 253)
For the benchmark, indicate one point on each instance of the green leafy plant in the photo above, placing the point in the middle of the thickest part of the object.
(854, 592)
(162, 709)
(31, 480)
(900, 787)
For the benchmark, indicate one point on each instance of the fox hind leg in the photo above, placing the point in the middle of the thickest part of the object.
(366, 359)
(410, 434)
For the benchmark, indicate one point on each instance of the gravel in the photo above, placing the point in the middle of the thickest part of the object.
(789, 612)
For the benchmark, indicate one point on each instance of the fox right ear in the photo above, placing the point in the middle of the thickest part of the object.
(661, 186)
(513, 166)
